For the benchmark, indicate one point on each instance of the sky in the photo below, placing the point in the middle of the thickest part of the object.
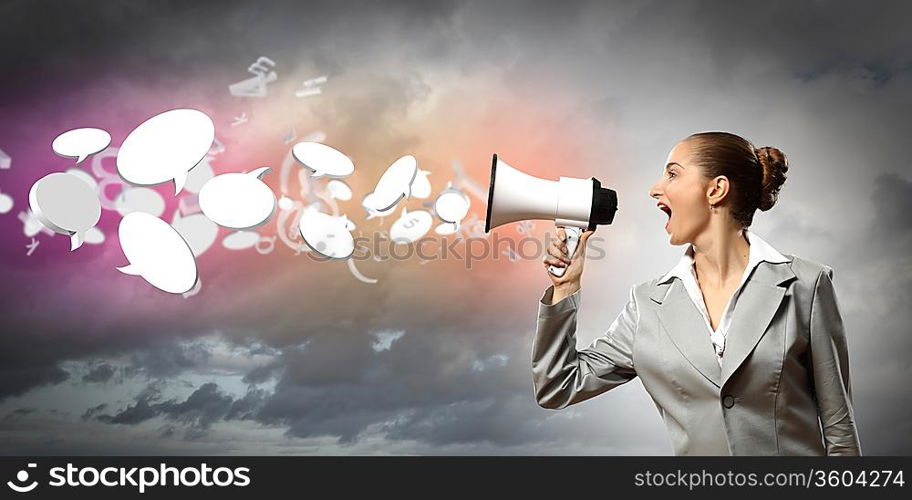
(279, 353)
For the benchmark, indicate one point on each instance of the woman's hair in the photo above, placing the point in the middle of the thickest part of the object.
(755, 174)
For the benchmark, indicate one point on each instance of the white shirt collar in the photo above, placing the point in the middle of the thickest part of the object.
(759, 251)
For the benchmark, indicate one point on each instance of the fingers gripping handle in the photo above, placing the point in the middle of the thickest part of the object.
(573, 236)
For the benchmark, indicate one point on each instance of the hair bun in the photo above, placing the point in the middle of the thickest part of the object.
(775, 166)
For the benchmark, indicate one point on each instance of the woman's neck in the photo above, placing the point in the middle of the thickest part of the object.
(720, 255)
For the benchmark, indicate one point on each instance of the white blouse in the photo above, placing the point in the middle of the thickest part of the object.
(760, 251)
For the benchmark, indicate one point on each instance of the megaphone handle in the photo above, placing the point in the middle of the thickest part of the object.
(573, 235)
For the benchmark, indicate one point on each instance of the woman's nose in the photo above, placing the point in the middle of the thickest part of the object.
(654, 191)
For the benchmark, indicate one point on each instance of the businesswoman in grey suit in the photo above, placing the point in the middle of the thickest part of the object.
(741, 348)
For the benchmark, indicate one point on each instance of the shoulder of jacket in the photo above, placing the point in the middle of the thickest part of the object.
(807, 270)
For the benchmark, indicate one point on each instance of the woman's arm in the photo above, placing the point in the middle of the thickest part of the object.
(830, 366)
(562, 375)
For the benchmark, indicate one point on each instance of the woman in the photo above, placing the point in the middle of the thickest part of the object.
(741, 348)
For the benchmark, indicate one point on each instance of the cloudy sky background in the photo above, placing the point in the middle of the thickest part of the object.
(278, 354)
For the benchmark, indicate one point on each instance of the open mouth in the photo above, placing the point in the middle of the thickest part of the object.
(665, 208)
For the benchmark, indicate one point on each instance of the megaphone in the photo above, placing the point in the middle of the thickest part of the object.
(575, 204)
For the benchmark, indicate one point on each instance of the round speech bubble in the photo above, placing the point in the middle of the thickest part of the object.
(421, 186)
(411, 226)
(139, 199)
(339, 190)
(328, 235)
(165, 147)
(157, 253)
(6, 203)
(394, 184)
(452, 205)
(238, 200)
(322, 159)
(81, 142)
(241, 240)
(66, 205)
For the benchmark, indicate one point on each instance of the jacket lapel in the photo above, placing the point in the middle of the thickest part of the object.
(686, 327)
(759, 300)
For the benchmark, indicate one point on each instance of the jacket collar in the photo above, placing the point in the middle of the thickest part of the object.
(760, 298)
(759, 251)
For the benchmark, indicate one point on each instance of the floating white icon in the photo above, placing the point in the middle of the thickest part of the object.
(238, 200)
(139, 199)
(81, 142)
(241, 240)
(339, 190)
(166, 147)
(322, 159)
(66, 205)
(452, 205)
(411, 226)
(328, 235)
(157, 253)
(394, 185)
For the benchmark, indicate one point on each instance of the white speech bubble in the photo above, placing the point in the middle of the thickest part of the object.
(238, 200)
(65, 205)
(421, 186)
(394, 184)
(241, 240)
(166, 147)
(339, 190)
(368, 201)
(326, 234)
(411, 226)
(139, 199)
(81, 142)
(6, 203)
(94, 236)
(197, 230)
(84, 176)
(452, 205)
(322, 159)
(157, 252)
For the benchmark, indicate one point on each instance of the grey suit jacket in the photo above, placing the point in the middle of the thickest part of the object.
(783, 387)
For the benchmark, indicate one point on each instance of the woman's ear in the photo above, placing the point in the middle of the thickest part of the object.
(717, 189)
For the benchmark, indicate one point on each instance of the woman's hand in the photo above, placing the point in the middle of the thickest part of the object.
(557, 256)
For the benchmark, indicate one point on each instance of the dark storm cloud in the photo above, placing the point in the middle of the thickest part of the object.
(205, 406)
(100, 374)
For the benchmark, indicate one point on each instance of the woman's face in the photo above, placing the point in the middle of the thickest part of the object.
(681, 193)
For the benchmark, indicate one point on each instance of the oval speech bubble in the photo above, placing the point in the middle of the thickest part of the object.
(66, 205)
(139, 199)
(410, 226)
(157, 253)
(395, 183)
(339, 190)
(165, 147)
(322, 159)
(327, 235)
(6, 203)
(238, 200)
(81, 142)
(241, 240)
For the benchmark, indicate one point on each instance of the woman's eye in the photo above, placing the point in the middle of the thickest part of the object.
(671, 175)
